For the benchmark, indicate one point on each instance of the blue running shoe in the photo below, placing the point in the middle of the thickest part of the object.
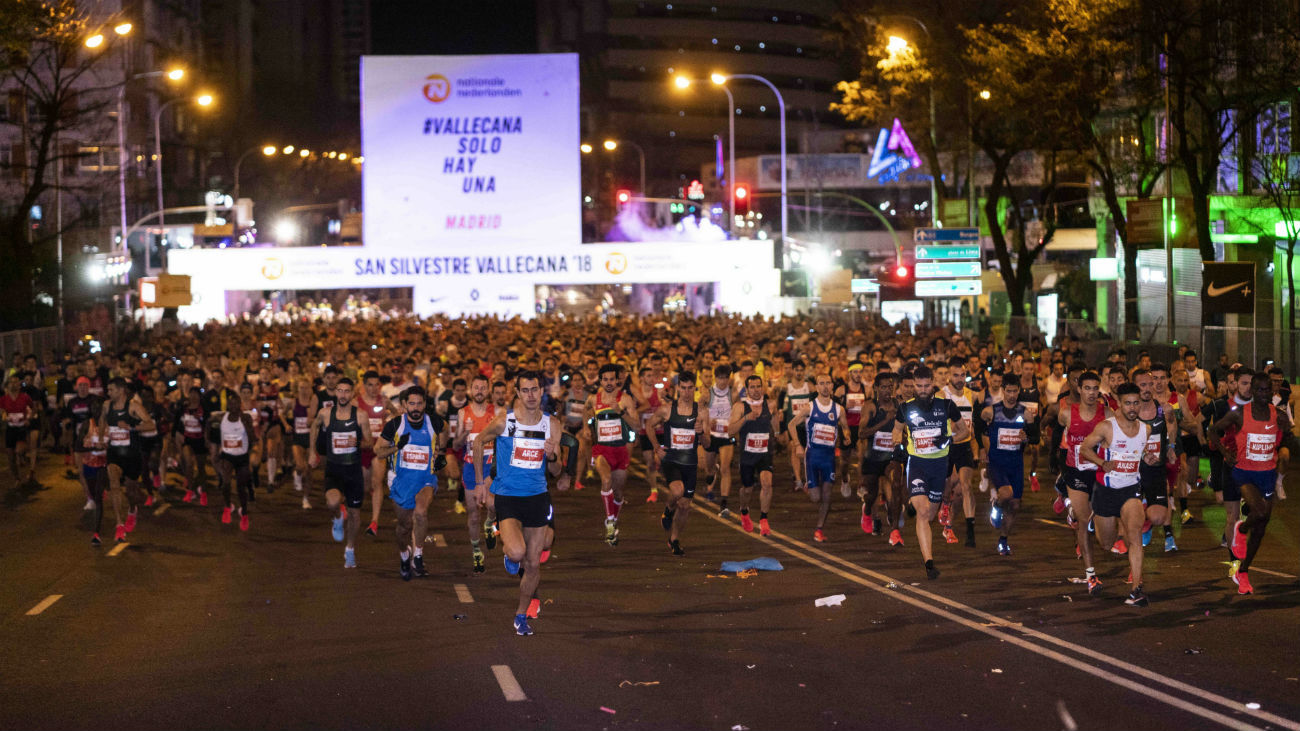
(349, 558)
(337, 530)
(521, 625)
(1146, 538)
(512, 567)
(1004, 548)
(1170, 546)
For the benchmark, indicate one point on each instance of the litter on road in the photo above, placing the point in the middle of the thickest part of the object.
(830, 601)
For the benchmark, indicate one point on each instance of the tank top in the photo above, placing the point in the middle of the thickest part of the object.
(927, 429)
(573, 414)
(522, 469)
(719, 411)
(1157, 437)
(374, 412)
(680, 430)
(1032, 401)
(120, 440)
(234, 437)
(1005, 432)
(1257, 443)
(963, 399)
(1075, 434)
(1126, 452)
(608, 427)
(882, 442)
(823, 427)
(755, 435)
(653, 402)
(343, 438)
(301, 424)
(192, 423)
(96, 450)
(474, 425)
(795, 397)
(411, 467)
(853, 401)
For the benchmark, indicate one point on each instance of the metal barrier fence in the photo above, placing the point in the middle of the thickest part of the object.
(19, 343)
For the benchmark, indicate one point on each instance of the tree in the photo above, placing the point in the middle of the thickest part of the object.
(1276, 212)
(45, 61)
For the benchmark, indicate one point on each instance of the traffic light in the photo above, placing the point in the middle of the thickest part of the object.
(897, 282)
(623, 197)
(742, 199)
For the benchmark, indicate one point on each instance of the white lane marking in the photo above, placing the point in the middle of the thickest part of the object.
(1056, 523)
(162, 509)
(46, 603)
(118, 548)
(462, 593)
(1266, 571)
(509, 686)
(439, 541)
(1000, 629)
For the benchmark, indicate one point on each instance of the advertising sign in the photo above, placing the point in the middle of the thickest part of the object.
(469, 151)
(1227, 287)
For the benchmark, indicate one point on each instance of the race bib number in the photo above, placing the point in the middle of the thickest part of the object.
(469, 448)
(1126, 463)
(719, 427)
(17, 418)
(376, 424)
(1010, 438)
(232, 444)
(119, 437)
(300, 425)
(823, 435)
(1079, 462)
(681, 439)
(193, 428)
(413, 457)
(853, 402)
(529, 454)
(926, 440)
(96, 459)
(882, 441)
(343, 442)
(756, 442)
(1153, 444)
(1259, 447)
(609, 430)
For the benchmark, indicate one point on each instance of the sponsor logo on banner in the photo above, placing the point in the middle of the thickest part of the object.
(437, 88)
(616, 263)
(272, 268)
(1227, 287)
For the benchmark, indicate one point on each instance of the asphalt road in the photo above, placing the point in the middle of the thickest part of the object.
(195, 625)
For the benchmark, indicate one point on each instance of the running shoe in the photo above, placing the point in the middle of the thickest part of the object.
(203, 498)
(653, 497)
(512, 568)
(478, 562)
(544, 556)
(746, 523)
(1136, 598)
(1004, 548)
(995, 517)
(1033, 483)
(130, 521)
(931, 571)
(868, 524)
(611, 531)
(404, 568)
(945, 514)
(94, 540)
(949, 535)
(459, 508)
(895, 537)
(1078, 552)
(1119, 547)
(1187, 517)
(667, 519)
(306, 505)
(1129, 579)
(1146, 537)
(1070, 520)
(676, 547)
(1242, 579)
(349, 558)
(819, 536)
(119, 534)
(90, 504)
(243, 522)
(417, 566)
(1094, 585)
(373, 528)
(189, 497)
(1170, 546)
(336, 529)
(984, 481)
(845, 490)
(1239, 541)
(490, 534)
(1233, 566)
(521, 625)
(1058, 504)
(724, 513)
(534, 608)
(148, 501)
(225, 517)
(763, 528)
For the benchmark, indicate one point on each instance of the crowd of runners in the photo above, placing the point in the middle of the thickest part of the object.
(370, 416)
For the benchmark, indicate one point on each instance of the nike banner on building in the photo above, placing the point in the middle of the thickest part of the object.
(1227, 288)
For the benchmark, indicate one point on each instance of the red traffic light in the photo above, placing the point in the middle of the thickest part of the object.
(624, 196)
(741, 192)
(901, 272)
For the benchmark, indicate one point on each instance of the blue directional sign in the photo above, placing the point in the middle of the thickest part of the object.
(946, 269)
(947, 251)
(921, 235)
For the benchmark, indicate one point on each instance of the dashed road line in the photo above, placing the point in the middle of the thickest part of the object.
(162, 509)
(462, 593)
(439, 541)
(510, 687)
(44, 604)
(118, 548)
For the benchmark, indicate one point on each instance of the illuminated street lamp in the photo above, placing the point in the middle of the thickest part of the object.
(586, 148)
(612, 145)
(203, 100)
(720, 81)
(898, 45)
(267, 151)
(288, 150)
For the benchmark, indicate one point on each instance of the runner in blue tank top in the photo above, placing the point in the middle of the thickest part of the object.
(527, 445)
(1009, 429)
(826, 425)
(413, 445)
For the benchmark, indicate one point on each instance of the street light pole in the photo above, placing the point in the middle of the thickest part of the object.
(934, 139)
(781, 104)
(202, 100)
(267, 150)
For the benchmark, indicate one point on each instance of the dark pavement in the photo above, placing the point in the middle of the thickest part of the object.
(195, 625)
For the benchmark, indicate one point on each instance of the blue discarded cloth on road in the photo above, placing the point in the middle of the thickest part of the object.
(762, 564)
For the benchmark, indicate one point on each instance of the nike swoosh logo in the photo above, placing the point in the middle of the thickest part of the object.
(1270, 426)
(1214, 291)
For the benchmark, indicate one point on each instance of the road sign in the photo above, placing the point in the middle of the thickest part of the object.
(947, 269)
(949, 287)
(947, 252)
(864, 286)
(945, 234)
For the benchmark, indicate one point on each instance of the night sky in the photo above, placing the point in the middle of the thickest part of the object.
(452, 27)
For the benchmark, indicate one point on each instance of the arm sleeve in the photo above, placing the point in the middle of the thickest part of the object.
(389, 432)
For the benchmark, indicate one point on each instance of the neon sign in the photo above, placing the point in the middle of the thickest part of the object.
(893, 154)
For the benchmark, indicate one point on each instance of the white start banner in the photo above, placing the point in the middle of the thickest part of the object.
(470, 150)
